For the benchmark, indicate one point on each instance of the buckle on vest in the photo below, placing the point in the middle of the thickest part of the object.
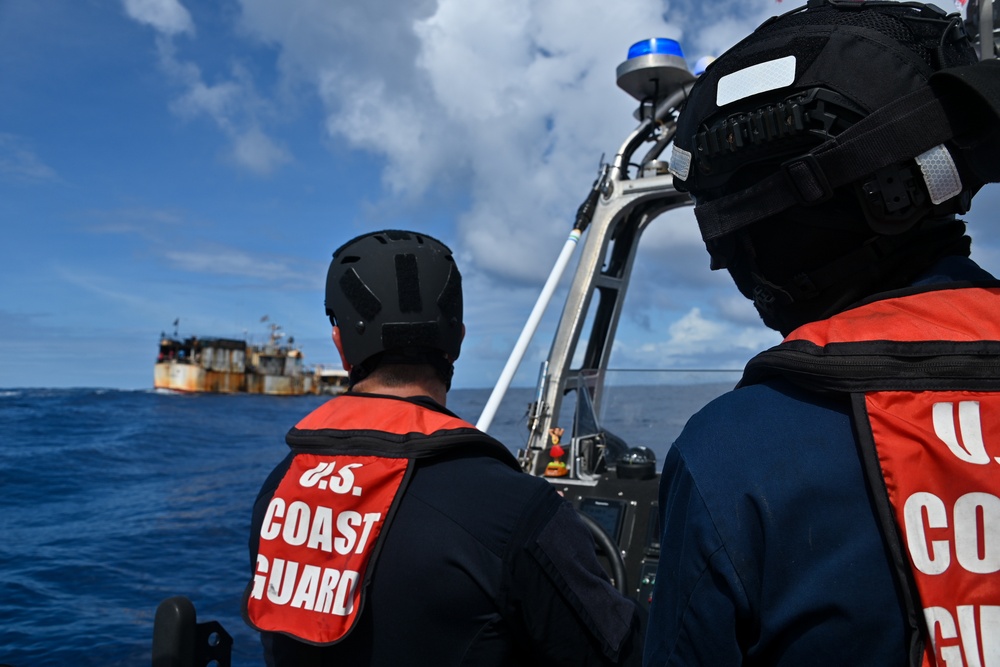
(807, 180)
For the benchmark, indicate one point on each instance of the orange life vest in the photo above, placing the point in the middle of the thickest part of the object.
(325, 522)
(923, 370)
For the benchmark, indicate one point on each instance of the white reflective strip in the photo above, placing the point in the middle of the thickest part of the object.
(759, 78)
(940, 174)
(680, 163)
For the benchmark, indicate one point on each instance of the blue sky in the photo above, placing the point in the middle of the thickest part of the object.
(164, 159)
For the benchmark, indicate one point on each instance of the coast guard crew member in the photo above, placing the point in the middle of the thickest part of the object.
(395, 533)
(842, 505)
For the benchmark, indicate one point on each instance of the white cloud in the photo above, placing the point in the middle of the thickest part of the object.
(219, 101)
(530, 94)
(166, 16)
(147, 223)
(694, 334)
(258, 152)
(20, 163)
(513, 102)
(694, 341)
(231, 262)
(719, 36)
(413, 147)
(233, 104)
(102, 286)
(693, 329)
(736, 308)
(519, 100)
(509, 101)
(235, 107)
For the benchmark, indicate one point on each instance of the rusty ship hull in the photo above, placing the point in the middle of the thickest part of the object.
(235, 366)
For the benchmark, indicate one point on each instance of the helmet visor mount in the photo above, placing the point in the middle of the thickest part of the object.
(828, 152)
(833, 117)
(733, 149)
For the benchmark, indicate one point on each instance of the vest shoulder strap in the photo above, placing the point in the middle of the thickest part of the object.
(390, 427)
(934, 339)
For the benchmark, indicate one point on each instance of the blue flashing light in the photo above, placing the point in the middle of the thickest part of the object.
(656, 45)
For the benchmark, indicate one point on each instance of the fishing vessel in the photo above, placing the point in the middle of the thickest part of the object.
(234, 365)
(611, 481)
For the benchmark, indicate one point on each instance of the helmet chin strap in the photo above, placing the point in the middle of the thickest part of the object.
(855, 270)
(884, 263)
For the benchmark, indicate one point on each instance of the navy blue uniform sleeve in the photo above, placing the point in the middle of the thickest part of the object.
(697, 598)
(559, 599)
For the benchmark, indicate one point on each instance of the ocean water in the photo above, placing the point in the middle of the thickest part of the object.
(112, 501)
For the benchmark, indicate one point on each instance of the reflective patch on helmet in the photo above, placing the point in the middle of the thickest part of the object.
(680, 163)
(758, 78)
(940, 174)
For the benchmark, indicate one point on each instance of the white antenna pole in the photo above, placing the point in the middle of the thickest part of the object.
(486, 418)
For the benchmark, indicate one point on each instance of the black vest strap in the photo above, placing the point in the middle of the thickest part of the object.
(906, 587)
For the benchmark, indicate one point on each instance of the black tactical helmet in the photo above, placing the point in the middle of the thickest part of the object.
(829, 151)
(395, 292)
(839, 94)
